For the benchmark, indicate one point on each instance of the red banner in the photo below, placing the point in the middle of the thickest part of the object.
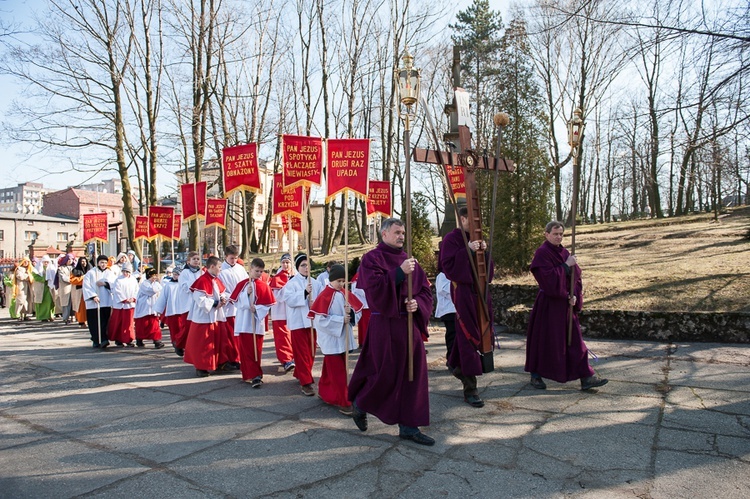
(193, 199)
(348, 165)
(216, 212)
(177, 228)
(141, 228)
(303, 160)
(456, 179)
(296, 224)
(286, 201)
(161, 221)
(95, 228)
(240, 169)
(379, 198)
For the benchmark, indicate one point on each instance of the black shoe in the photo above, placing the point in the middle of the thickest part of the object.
(360, 418)
(130, 344)
(256, 382)
(201, 373)
(104, 345)
(119, 343)
(474, 401)
(158, 344)
(419, 438)
(227, 367)
(538, 383)
(592, 382)
(179, 351)
(96, 345)
(139, 343)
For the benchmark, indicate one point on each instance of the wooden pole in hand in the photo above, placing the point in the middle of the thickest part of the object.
(575, 131)
(305, 233)
(346, 284)
(409, 281)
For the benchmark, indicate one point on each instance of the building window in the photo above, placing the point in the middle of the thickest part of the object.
(260, 209)
(62, 237)
(30, 222)
(2, 235)
(30, 235)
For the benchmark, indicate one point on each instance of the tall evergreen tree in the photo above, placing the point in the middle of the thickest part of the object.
(524, 198)
(478, 32)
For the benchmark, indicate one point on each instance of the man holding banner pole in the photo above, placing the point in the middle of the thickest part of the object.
(97, 295)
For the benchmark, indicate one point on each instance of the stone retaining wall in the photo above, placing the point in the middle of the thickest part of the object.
(513, 305)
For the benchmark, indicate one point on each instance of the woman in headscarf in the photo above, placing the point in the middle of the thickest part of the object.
(117, 266)
(62, 283)
(23, 276)
(43, 301)
(76, 293)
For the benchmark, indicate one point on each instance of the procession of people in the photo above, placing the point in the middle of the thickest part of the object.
(217, 314)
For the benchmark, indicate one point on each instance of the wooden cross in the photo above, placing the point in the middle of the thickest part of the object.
(470, 161)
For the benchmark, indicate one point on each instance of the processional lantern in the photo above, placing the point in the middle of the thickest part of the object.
(408, 95)
(575, 128)
(408, 85)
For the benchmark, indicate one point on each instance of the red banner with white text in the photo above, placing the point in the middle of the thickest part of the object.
(95, 228)
(161, 221)
(296, 224)
(141, 228)
(303, 160)
(379, 198)
(216, 212)
(456, 179)
(347, 167)
(177, 230)
(240, 169)
(286, 201)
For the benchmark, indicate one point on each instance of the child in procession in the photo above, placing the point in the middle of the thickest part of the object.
(253, 300)
(297, 294)
(334, 313)
(124, 294)
(146, 314)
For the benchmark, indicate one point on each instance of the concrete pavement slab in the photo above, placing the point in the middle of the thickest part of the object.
(60, 467)
(137, 422)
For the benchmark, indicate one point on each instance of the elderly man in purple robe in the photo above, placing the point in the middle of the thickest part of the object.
(464, 359)
(548, 354)
(380, 382)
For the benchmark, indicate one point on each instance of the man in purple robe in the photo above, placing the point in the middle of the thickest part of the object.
(464, 359)
(380, 382)
(548, 354)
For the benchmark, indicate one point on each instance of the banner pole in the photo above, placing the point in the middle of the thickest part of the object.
(346, 284)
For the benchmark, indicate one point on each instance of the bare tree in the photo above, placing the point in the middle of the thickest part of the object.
(75, 76)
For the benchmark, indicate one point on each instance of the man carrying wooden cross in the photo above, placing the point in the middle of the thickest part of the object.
(464, 359)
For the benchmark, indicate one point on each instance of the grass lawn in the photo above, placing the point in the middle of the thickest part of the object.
(680, 264)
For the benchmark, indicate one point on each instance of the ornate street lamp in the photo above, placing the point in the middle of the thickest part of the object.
(408, 94)
(575, 132)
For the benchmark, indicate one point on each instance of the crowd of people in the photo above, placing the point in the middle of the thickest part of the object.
(218, 312)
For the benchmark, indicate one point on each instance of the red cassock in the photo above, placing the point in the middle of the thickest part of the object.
(208, 335)
(282, 337)
(250, 326)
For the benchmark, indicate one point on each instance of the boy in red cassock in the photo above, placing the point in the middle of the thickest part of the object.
(253, 300)
(333, 317)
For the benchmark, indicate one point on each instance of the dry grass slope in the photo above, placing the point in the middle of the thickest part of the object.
(681, 264)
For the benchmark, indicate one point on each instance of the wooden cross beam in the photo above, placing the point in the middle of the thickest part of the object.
(470, 161)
